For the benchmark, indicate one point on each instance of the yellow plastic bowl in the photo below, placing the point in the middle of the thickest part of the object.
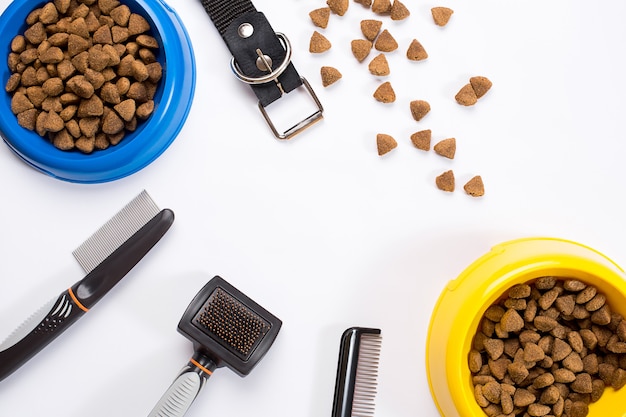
(462, 304)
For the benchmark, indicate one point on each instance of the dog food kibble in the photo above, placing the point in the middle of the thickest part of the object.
(379, 66)
(416, 51)
(421, 139)
(385, 93)
(370, 28)
(385, 42)
(466, 95)
(361, 48)
(72, 67)
(537, 354)
(445, 182)
(475, 187)
(511, 321)
(318, 43)
(446, 148)
(339, 7)
(381, 6)
(419, 109)
(385, 143)
(480, 85)
(441, 15)
(320, 17)
(329, 75)
(364, 3)
(399, 11)
(469, 94)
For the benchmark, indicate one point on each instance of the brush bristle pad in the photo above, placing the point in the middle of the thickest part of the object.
(231, 323)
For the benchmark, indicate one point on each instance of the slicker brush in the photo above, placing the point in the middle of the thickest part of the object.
(227, 329)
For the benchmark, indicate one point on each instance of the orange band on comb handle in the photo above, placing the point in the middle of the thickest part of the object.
(78, 303)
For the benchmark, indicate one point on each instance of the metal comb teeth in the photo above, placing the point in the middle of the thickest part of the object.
(366, 379)
(115, 231)
(232, 323)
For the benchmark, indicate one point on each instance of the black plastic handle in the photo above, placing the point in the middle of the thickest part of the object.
(109, 272)
(41, 331)
(347, 365)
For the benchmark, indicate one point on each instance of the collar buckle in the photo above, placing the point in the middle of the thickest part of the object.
(264, 63)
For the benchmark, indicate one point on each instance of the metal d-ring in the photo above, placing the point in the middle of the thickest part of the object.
(273, 75)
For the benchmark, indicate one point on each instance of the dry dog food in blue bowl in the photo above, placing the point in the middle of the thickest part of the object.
(94, 90)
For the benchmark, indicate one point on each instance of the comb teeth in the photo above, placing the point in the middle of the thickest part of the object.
(366, 380)
(132, 217)
(232, 323)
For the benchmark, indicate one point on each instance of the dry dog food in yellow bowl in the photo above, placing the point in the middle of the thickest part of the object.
(500, 344)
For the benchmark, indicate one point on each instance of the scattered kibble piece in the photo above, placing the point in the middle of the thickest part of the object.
(466, 95)
(379, 65)
(416, 51)
(329, 75)
(446, 148)
(385, 93)
(385, 143)
(381, 6)
(419, 109)
(339, 7)
(399, 11)
(371, 28)
(480, 85)
(361, 48)
(319, 43)
(445, 181)
(475, 187)
(386, 42)
(441, 15)
(365, 3)
(421, 140)
(320, 17)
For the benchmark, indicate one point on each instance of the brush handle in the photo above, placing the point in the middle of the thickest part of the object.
(41, 328)
(185, 388)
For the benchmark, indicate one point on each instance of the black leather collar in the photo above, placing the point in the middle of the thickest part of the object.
(261, 56)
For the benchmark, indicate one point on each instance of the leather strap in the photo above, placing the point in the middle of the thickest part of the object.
(251, 41)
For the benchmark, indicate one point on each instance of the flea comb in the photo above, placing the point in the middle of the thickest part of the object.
(106, 257)
(227, 329)
(357, 373)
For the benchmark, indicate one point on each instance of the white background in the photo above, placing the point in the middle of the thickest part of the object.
(320, 230)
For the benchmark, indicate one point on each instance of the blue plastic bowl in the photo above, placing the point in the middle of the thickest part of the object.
(139, 148)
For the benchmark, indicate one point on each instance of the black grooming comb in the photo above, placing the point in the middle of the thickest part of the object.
(357, 373)
(227, 329)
